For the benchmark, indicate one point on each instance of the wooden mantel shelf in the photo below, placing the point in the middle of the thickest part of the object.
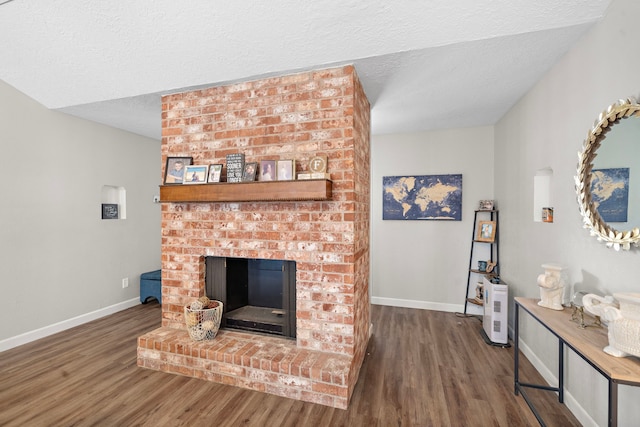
(258, 191)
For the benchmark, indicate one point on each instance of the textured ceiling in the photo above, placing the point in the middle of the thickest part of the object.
(430, 64)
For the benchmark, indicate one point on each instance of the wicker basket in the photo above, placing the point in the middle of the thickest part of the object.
(203, 324)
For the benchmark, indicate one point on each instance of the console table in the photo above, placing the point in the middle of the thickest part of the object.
(586, 343)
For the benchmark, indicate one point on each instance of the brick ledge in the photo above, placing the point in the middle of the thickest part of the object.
(257, 362)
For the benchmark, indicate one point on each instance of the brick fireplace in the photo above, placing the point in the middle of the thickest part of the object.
(323, 112)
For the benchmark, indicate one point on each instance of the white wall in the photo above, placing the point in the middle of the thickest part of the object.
(424, 264)
(546, 129)
(58, 259)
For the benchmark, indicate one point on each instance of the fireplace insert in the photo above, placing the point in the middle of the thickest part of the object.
(259, 295)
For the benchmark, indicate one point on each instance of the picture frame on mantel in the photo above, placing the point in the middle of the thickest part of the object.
(215, 173)
(486, 231)
(285, 170)
(249, 173)
(174, 169)
(267, 170)
(195, 174)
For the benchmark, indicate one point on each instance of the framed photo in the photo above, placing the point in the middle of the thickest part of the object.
(195, 174)
(249, 173)
(109, 211)
(486, 231)
(486, 205)
(284, 170)
(174, 171)
(267, 170)
(215, 173)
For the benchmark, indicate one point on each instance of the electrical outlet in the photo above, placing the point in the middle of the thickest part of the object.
(156, 199)
(125, 282)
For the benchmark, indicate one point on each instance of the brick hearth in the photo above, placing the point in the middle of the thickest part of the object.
(297, 116)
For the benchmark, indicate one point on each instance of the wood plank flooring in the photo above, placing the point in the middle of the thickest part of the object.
(423, 368)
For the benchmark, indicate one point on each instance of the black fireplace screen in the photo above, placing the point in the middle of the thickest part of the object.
(258, 294)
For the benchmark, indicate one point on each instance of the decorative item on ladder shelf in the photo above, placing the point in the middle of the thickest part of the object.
(491, 266)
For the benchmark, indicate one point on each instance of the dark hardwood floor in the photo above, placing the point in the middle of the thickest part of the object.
(423, 368)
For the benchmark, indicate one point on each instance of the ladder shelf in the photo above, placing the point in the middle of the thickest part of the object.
(485, 234)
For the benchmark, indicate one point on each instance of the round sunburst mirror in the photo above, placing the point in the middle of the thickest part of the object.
(604, 200)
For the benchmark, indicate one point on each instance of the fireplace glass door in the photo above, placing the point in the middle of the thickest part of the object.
(258, 294)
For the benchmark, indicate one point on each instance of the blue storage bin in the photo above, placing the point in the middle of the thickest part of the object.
(151, 286)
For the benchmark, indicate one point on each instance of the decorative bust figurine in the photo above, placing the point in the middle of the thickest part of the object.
(551, 286)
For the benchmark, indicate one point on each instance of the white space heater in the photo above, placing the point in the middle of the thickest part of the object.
(494, 321)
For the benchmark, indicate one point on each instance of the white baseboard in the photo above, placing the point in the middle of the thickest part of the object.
(425, 305)
(569, 401)
(30, 336)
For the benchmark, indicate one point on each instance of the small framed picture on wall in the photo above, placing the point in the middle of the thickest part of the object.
(109, 211)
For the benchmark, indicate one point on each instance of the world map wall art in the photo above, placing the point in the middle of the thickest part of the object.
(422, 197)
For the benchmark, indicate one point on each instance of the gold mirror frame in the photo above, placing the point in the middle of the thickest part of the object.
(590, 216)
